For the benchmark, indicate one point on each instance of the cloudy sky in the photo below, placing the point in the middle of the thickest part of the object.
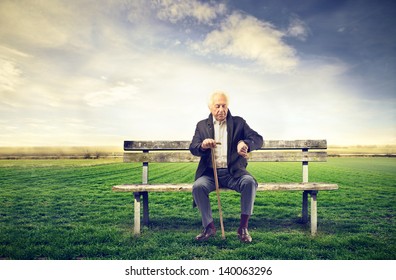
(99, 72)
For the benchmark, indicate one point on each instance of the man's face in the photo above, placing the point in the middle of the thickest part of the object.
(219, 108)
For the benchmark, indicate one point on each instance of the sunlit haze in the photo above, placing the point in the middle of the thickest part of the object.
(100, 72)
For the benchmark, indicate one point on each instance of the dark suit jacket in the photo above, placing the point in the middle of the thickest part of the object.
(237, 129)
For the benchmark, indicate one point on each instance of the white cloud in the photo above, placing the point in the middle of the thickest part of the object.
(176, 10)
(298, 29)
(10, 75)
(247, 38)
(138, 10)
(111, 96)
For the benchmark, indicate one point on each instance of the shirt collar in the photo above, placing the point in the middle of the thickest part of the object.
(220, 123)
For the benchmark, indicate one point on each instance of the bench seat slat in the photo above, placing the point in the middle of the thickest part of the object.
(261, 187)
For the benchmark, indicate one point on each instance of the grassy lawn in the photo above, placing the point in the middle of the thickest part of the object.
(65, 209)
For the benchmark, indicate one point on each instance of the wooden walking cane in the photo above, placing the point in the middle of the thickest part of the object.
(217, 190)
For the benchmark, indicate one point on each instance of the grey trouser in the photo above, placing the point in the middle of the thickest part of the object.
(246, 185)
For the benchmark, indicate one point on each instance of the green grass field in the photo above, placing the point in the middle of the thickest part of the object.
(65, 209)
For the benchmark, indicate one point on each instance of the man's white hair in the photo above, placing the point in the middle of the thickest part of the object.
(217, 93)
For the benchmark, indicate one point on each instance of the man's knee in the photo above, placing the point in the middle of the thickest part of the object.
(197, 187)
(248, 182)
(200, 185)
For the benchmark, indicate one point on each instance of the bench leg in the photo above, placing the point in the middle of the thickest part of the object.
(136, 225)
(145, 209)
(314, 213)
(305, 207)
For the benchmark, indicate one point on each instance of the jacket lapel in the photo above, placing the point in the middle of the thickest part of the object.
(209, 127)
(230, 131)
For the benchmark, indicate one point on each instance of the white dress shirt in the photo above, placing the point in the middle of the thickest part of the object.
(220, 132)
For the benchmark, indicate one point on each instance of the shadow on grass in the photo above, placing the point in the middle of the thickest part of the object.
(262, 224)
(230, 224)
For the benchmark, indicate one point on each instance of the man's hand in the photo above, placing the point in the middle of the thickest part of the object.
(242, 149)
(208, 143)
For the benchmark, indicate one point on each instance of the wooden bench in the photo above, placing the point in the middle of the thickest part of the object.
(303, 151)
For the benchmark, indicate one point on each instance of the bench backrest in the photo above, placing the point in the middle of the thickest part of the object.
(303, 151)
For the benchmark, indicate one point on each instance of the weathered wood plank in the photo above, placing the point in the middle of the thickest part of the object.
(261, 187)
(184, 145)
(295, 144)
(153, 188)
(156, 145)
(160, 157)
(166, 156)
(287, 156)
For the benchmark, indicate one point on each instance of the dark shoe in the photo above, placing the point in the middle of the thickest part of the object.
(206, 234)
(244, 236)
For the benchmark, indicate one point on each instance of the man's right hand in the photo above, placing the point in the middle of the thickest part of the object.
(208, 143)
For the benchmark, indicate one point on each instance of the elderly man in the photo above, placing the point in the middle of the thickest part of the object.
(237, 139)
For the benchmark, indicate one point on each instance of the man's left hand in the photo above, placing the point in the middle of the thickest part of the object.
(242, 149)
